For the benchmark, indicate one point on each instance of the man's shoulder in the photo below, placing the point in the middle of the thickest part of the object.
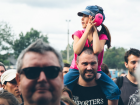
(119, 81)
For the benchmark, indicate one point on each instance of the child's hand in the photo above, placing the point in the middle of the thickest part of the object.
(90, 25)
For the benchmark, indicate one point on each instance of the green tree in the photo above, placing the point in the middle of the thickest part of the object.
(6, 37)
(25, 40)
(114, 58)
(6, 41)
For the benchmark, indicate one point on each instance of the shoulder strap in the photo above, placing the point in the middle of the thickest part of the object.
(119, 82)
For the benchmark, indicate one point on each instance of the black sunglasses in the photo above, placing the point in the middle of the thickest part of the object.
(51, 72)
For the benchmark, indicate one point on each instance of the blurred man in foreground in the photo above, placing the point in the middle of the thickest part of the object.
(40, 75)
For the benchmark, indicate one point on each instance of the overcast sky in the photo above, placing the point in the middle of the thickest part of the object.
(49, 17)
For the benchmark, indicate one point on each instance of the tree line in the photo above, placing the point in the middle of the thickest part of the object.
(11, 45)
(113, 57)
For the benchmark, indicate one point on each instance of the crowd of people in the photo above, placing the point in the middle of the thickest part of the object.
(41, 77)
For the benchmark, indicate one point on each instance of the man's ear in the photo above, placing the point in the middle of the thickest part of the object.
(18, 79)
(77, 64)
(4, 86)
(126, 64)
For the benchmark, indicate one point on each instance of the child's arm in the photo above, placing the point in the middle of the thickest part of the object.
(98, 45)
(79, 43)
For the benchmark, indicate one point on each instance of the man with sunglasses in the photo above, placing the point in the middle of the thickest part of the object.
(9, 83)
(39, 75)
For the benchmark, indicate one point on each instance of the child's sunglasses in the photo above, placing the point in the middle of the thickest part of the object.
(51, 72)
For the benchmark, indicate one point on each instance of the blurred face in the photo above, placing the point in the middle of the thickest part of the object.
(132, 64)
(84, 20)
(2, 70)
(87, 66)
(42, 89)
(65, 70)
(3, 102)
(12, 87)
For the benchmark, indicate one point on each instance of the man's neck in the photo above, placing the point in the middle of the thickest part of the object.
(82, 82)
(132, 78)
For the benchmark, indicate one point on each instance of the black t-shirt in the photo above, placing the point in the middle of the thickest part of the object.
(88, 95)
(129, 93)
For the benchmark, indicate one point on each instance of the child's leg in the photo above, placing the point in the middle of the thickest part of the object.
(108, 86)
(71, 78)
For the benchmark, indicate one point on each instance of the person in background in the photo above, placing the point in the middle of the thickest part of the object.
(123, 74)
(86, 89)
(9, 83)
(7, 98)
(129, 84)
(66, 68)
(2, 70)
(105, 69)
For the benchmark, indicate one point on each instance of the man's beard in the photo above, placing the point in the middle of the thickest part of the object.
(88, 79)
(131, 71)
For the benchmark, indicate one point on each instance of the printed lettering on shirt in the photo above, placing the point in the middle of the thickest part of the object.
(88, 102)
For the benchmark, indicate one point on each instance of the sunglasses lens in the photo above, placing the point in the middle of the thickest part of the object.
(51, 72)
(32, 72)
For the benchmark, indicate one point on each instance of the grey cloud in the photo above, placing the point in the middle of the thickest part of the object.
(48, 3)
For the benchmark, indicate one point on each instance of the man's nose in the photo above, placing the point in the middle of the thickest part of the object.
(89, 67)
(42, 77)
(136, 65)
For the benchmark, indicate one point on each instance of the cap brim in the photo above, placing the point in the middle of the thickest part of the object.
(83, 12)
(8, 76)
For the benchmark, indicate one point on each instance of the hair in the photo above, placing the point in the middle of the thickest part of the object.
(65, 89)
(104, 68)
(68, 100)
(105, 30)
(66, 65)
(132, 51)
(11, 99)
(86, 50)
(1, 64)
(39, 47)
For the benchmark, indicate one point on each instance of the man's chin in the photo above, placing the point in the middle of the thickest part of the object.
(42, 97)
(88, 79)
(132, 74)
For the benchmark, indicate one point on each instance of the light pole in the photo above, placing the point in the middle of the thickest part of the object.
(68, 42)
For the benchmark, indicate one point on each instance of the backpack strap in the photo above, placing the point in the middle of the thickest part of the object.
(119, 81)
